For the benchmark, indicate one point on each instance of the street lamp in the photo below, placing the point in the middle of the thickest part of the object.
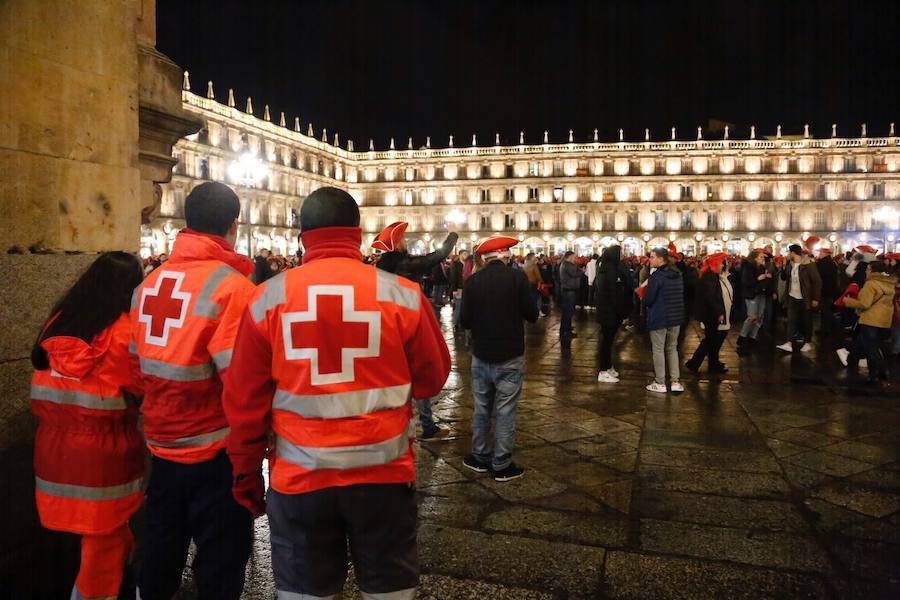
(248, 171)
(885, 215)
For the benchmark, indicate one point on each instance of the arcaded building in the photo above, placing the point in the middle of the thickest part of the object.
(706, 193)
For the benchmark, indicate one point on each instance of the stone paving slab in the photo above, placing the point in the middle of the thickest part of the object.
(630, 576)
(754, 547)
(512, 560)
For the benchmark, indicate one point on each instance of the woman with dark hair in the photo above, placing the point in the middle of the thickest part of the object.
(88, 453)
(609, 300)
(715, 298)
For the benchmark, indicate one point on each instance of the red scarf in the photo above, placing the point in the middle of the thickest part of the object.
(332, 242)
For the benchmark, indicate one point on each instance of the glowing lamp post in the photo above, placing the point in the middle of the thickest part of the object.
(248, 171)
(885, 215)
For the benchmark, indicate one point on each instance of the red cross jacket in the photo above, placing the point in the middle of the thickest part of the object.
(185, 316)
(328, 356)
(88, 453)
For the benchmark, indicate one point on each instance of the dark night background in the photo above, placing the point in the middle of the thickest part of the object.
(416, 68)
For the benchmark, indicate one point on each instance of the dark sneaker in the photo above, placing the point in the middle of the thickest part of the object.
(470, 462)
(513, 471)
(437, 434)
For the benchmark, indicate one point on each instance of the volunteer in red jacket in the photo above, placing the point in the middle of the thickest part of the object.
(88, 453)
(328, 356)
(185, 316)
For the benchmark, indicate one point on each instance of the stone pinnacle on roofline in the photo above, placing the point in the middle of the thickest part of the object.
(209, 90)
(186, 82)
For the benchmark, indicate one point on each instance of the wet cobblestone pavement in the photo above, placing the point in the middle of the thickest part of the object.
(777, 480)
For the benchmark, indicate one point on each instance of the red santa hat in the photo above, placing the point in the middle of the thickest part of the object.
(825, 251)
(868, 253)
(673, 251)
(389, 239)
(811, 241)
(496, 246)
(713, 262)
(892, 256)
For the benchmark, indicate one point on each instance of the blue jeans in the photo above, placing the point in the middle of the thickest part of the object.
(567, 303)
(756, 313)
(867, 344)
(426, 417)
(496, 387)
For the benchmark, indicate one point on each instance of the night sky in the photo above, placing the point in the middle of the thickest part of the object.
(371, 69)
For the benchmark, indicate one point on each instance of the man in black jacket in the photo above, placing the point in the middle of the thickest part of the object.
(396, 259)
(496, 299)
(569, 284)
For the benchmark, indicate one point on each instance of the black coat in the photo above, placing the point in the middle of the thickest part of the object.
(455, 275)
(610, 288)
(414, 267)
(495, 302)
(751, 287)
(828, 273)
(709, 305)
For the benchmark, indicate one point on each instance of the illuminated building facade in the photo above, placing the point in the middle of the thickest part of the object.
(703, 194)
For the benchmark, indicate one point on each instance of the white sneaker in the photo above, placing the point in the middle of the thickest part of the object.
(607, 377)
(659, 388)
(864, 363)
(787, 347)
(843, 353)
(613, 372)
(807, 347)
(677, 387)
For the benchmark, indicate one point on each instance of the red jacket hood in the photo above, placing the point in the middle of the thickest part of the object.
(73, 357)
(192, 245)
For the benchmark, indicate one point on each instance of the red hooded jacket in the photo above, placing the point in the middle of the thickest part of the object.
(88, 453)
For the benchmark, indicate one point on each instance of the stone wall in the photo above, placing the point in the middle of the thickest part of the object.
(89, 111)
(69, 176)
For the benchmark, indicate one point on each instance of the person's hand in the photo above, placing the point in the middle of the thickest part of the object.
(721, 318)
(452, 227)
(763, 276)
(814, 303)
(249, 491)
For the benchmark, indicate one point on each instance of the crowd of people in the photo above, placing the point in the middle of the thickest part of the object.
(230, 362)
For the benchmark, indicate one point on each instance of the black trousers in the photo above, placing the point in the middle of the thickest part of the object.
(310, 534)
(567, 304)
(799, 321)
(194, 501)
(604, 347)
(709, 346)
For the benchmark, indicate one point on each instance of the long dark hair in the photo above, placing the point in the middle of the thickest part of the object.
(97, 299)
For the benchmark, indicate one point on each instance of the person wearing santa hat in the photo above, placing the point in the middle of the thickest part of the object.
(875, 306)
(495, 302)
(714, 299)
(395, 257)
(828, 273)
(804, 291)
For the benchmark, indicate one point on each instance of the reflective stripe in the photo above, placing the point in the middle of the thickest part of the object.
(344, 457)
(76, 398)
(272, 296)
(76, 595)
(165, 370)
(134, 297)
(222, 359)
(342, 404)
(407, 594)
(283, 595)
(389, 289)
(193, 441)
(204, 306)
(132, 347)
(82, 492)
